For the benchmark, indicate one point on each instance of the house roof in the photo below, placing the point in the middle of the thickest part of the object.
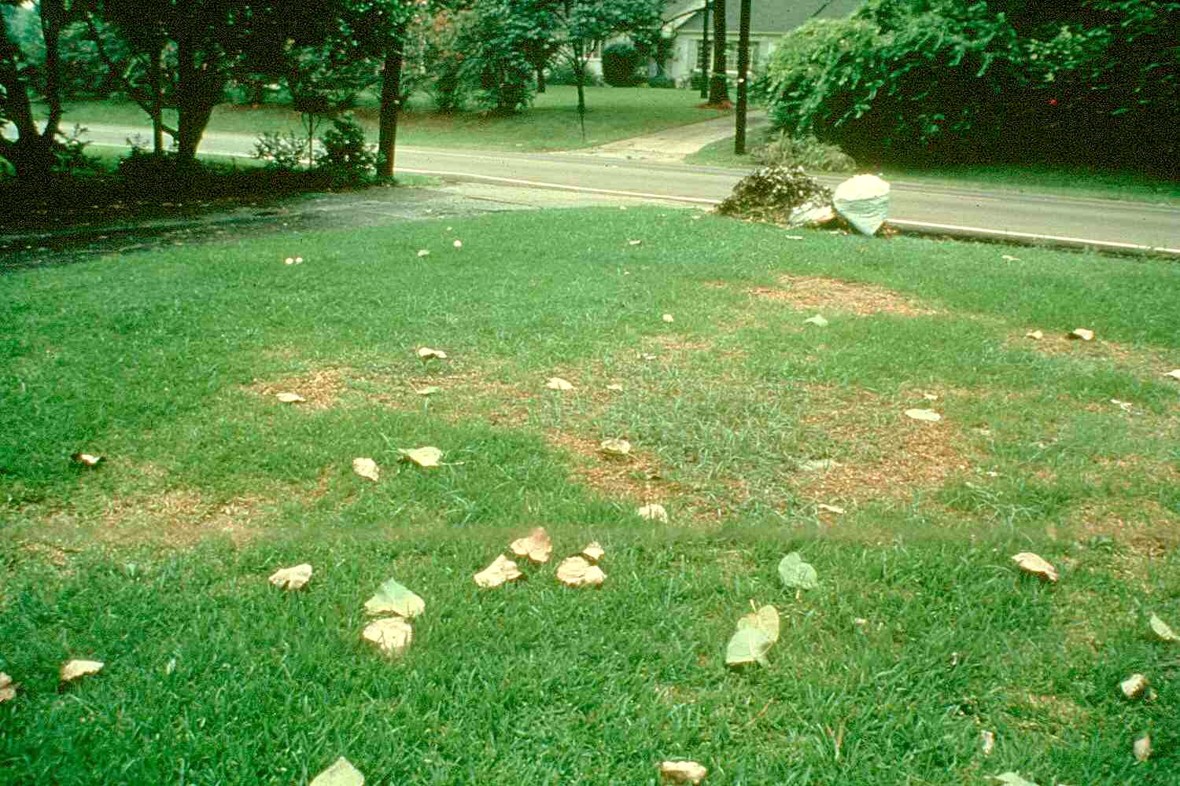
(766, 16)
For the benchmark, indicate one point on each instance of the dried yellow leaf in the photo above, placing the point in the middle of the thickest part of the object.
(392, 635)
(1162, 629)
(634, 242)
(557, 383)
(653, 512)
(1174, 374)
(426, 457)
(366, 468)
(615, 388)
(987, 742)
(593, 552)
(429, 390)
(87, 459)
(341, 773)
(926, 415)
(578, 572)
(1082, 334)
(73, 669)
(292, 578)
(7, 689)
(615, 447)
(831, 508)
(668, 318)
(1134, 686)
(1034, 564)
(682, 772)
(1142, 748)
(501, 571)
(537, 546)
(426, 353)
(290, 398)
(1035, 335)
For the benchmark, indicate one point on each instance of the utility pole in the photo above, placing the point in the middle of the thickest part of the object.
(705, 54)
(743, 87)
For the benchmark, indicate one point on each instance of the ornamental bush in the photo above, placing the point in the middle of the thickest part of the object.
(941, 81)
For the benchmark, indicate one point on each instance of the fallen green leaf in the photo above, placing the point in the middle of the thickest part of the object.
(393, 598)
(796, 573)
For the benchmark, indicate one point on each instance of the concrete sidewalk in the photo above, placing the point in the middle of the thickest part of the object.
(673, 144)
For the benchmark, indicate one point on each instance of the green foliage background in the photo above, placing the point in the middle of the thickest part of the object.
(1092, 81)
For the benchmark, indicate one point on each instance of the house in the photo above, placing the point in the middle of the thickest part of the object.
(770, 20)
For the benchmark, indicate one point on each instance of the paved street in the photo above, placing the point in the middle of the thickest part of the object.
(919, 207)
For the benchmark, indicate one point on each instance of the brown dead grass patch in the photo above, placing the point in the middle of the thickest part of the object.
(883, 453)
(177, 518)
(1142, 525)
(635, 477)
(321, 388)
(1060, 711)
(1148, 361)
(829, 294)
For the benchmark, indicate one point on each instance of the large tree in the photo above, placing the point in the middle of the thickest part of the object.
(26, 75)
(191, 49)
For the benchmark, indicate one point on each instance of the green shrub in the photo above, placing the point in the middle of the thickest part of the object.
(346, 155)
(807, 152)
(562, 73)
(1096, 81)
(620, 64)
(284, 152)
(662, 81)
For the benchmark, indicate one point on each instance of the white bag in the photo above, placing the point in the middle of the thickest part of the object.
(863, 201)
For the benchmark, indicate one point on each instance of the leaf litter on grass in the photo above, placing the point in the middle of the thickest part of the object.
(797, 574)
(291, 578)
(501, 571)
(756, 633)
(341, 773)
(392, 597)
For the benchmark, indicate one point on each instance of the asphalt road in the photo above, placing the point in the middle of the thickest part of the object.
(1008, 214)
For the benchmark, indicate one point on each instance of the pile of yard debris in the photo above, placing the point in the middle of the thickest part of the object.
(789, 196)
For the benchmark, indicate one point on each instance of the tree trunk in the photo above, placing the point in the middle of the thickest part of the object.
(52, 20)
(743, 88)
(391, 96)
(540, 79)
(32, 152)
(718, 90)
(579, 66)
(705, 50)
(197, 92)
(156, 83)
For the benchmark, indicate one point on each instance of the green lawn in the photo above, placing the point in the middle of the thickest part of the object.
(550, 124)
(921, 634)
(1078, 182)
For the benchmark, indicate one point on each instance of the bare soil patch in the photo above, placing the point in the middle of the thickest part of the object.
(830, 294)
(321, 387)
(884, 454)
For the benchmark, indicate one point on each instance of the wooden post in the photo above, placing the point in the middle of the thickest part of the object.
(743, 88)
